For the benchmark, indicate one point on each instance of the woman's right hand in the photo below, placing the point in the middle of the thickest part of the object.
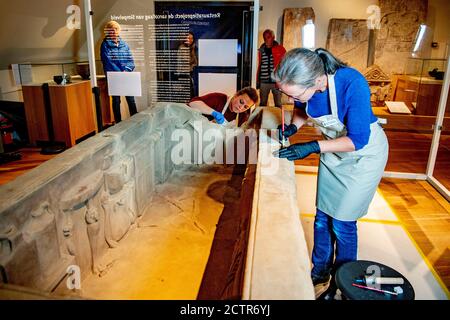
(289, 130)
(218, 116)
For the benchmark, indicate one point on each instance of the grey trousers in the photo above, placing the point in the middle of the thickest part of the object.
(264, 91)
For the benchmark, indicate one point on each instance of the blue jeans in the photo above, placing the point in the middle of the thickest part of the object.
(328, 233)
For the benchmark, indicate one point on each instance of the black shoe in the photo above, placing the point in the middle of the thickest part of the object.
(320, 280)
(329, 294)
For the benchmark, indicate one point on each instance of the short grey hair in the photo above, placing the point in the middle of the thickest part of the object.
(269, 31)
(302, 67)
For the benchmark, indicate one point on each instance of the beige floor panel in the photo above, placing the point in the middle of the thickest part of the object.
(390, 245)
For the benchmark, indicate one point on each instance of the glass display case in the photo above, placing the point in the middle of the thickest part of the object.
(420, 86)
(42, 72)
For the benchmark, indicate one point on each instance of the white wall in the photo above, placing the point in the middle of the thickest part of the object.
(34, 31)
(438, 20)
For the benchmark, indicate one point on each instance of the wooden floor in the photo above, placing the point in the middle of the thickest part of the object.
(425, 214)
(31, 158)
(422, 210)
(408, 152)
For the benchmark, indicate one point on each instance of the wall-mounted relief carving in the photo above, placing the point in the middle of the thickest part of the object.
(348, 39)
(293, 21)
(400, 20)
(84, 222)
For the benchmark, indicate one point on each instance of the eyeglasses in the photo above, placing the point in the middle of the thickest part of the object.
(295, 98)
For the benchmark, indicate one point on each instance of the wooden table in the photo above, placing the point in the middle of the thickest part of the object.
(424, 91)
(409, 122)
(72, 112)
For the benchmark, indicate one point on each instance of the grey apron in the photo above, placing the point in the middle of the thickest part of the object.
(347, 181)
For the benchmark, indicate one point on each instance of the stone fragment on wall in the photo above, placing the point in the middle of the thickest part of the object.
(379, 83)
(348, 40)
(400, 20)
(293, 21)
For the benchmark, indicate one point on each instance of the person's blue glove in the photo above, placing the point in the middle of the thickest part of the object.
(289, 130)
(218, 116)
(298, 150)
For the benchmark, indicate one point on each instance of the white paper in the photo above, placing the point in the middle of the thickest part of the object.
(124, 84)
(217, 52)
(397, 107)
(22, 74)
(217, 82)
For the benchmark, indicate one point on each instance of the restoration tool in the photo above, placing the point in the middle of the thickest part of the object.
(283, 138)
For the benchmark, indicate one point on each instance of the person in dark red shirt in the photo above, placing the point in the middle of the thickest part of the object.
(219, 107)
(269, 56)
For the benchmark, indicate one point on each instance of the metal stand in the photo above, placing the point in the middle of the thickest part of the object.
(51, 146)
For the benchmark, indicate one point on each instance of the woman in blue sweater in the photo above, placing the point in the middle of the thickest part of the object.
(116, 56)
(353, 153)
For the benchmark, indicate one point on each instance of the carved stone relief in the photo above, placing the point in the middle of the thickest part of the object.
(400, 20)
(348, 40)
(119, 202)
(83, 226)
(293, 21)
(379, 83)
(32, 257)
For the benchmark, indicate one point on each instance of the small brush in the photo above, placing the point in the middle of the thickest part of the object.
(283, 139)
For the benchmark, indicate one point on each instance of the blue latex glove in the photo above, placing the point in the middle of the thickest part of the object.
(298, 150)
(218, 116)
(289, 130)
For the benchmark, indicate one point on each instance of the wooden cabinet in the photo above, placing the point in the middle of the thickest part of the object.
(105, 101)
(72, 112)
(406, 91)
(420, 94)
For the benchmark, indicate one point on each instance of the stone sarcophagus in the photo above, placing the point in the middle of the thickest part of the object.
(121, 194)
(71, 209)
